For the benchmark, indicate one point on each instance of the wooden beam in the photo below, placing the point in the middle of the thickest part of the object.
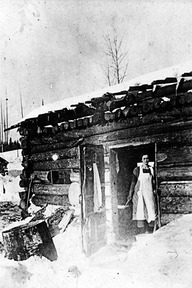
(68, 153)
(56, 146)
(55, 165)
(51, 189)
(176, 189)
(178, 173)
(40, 200)
(176, 205)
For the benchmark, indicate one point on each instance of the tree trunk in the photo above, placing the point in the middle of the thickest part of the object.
(25, 240)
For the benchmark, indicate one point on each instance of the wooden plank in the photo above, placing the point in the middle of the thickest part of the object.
(66, 176)
(114, 201)
(176, 205)
(55, 165)
(166, 218)
(143, 135)
(52, 189)
(125, 130)
(174, 154)
(65, 220)
(40, 200)
(177, 173)
(62, 154)
(41, 175)
(58, 144)
(176, 188)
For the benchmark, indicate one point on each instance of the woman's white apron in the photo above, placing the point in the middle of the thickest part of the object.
(145, 197)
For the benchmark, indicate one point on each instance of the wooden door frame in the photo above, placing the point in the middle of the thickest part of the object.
(113, 177)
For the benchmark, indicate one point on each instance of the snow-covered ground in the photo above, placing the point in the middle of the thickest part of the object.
(162, 259)
(159, 260)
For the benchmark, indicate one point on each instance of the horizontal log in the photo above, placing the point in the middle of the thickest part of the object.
(176, 154)
(167, 218)
(57, 145)
(176, 205)
(62, 154)
(176, 189)
(178, 173)
(160, 133)
(154, 121)
(52, 138)
(63, 176)
(40, 200)
(51, 189)
(55, 165)
(41, 176)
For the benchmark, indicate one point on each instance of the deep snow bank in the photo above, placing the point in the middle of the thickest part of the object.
(162, 259)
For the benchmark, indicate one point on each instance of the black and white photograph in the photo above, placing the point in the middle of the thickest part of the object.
(95, 144)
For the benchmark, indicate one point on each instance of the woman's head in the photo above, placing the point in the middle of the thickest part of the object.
(145, 159)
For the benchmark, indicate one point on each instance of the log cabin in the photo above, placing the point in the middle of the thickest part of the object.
(93, 142)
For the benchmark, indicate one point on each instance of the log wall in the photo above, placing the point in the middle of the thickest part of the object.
(174, 146)
(52, 178)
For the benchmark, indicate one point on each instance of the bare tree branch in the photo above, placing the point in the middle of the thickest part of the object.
(116, 69)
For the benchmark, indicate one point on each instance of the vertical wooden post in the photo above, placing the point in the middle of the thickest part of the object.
(113, 180)
(156, 188)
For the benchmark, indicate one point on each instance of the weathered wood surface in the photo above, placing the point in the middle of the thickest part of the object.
(65, 176)
(146, 99)
(177, 173)
(41, 175)
(52, 189)
(176, 189)
(40, 200)
(29, 239)
(127, 138)
(148, 126)
(55, 165)
(174, 155)
(176, 205)
(63, 138)
(62, 154)
(166, 218)
(65, 220)
(42, 144)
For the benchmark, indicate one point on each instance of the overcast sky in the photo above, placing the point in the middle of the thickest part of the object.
(54, 49)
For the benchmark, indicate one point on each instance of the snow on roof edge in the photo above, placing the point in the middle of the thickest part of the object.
(172, 71)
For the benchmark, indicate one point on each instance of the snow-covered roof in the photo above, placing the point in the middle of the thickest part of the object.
(172, 71)
(175, 71)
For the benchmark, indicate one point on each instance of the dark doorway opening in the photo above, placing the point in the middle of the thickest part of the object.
(124, 160)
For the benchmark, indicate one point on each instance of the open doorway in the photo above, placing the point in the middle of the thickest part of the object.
(123, 161)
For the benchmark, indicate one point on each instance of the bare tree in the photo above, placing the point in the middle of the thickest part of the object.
(116, 56)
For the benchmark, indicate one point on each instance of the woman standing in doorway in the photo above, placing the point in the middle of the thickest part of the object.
(141, 193)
